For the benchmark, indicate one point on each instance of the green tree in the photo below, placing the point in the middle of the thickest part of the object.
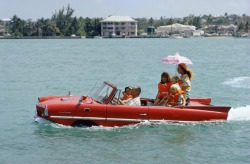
(45, 27)
(197, 22)
(16, 26)
(220, 21)
(73, 28)
(28, 28)
(226, 15)
(97, 27)
(240, 26)
(185, 21)
(49, 28)
(209, 19)
(81, 24)
(162, 22)
(142, 24)
(88, 27)
(64, 20)
(235, 23)
(170, 22)
(216, 29)
(39, 27)
(246, 27)
(151, 21)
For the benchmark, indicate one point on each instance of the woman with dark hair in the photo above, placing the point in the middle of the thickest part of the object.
(185, 82)
(163, 88)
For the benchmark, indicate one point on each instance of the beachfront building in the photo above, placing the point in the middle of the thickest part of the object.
(3, 24)
(175, 29)
(221, 30)
(198, 33)
(2, 30)
(118, 26)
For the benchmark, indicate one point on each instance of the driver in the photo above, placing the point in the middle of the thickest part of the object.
(135, 101)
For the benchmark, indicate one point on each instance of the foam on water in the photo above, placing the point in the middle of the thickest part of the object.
(238, 82)
(242, 112)
(239, 113)
(41, 120)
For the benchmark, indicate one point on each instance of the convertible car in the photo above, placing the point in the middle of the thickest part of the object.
(102, 108)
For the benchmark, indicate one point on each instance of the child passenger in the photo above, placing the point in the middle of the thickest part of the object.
(176, 97)
(163, 88)
(127, 94)
(175, 80)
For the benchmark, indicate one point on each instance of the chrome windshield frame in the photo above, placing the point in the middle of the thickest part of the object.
(104, 93)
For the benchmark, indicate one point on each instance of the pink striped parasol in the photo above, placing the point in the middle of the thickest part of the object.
(176, 59)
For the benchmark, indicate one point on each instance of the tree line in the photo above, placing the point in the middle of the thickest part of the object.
(63, 23)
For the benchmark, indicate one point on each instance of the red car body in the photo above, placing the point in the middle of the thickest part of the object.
(101, 109)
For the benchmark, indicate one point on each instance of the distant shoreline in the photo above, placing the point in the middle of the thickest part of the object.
(82, 37)
(41, 37)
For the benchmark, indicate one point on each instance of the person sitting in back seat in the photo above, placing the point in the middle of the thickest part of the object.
(163, 89)
(176, 97)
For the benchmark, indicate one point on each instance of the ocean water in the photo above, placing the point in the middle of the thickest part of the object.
(33, 68)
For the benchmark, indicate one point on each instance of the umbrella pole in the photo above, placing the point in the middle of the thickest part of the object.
(176, 69)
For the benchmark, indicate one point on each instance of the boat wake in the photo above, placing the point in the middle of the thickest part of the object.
(238, 82)
(239, 113)
(40, 120)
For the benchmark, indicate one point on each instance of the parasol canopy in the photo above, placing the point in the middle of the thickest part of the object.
(176, 59)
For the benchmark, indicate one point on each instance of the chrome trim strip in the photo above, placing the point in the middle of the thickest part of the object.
(64, 112)
(97, 118)
(120, 119)
(77, 118)
(125, 119)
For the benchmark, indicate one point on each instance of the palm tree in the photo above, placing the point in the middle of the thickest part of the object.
(209, 19)
(240, 26)
(151, 21)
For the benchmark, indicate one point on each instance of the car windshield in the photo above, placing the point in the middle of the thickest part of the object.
(117, 97)
(103, 93)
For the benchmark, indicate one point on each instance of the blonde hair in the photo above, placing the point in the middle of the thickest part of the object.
(176, 87)
(175, 79)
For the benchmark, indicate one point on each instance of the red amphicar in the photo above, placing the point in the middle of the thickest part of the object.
(102, 108)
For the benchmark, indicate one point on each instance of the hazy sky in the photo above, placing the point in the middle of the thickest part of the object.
(36, 9)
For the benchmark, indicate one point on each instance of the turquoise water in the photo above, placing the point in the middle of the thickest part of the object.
(32, 68)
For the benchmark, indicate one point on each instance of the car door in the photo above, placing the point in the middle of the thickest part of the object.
(91, 114)
(119, 115)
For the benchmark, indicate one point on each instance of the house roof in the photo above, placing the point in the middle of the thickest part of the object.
(175, 26)
(5, 19)
(119, 19)
(178, 25)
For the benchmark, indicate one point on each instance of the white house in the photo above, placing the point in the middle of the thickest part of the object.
(221, 29)
(3, 23)
(198, 33)
(175, 29)
(122, 26)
